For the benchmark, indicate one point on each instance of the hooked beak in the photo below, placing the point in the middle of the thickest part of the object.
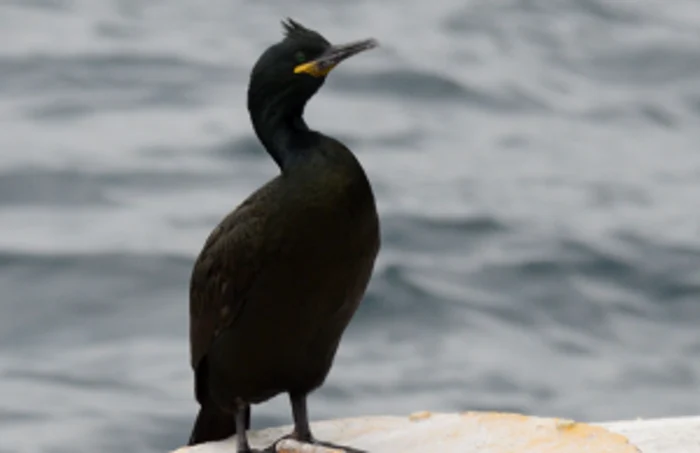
(322, 65)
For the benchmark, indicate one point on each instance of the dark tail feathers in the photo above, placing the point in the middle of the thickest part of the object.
(213, 424)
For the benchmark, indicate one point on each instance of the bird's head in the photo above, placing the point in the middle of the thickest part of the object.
(290, 72)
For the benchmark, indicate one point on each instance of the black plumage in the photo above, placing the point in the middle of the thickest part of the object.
(279, 279)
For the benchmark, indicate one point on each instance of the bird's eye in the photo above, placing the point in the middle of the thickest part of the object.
(300, 57)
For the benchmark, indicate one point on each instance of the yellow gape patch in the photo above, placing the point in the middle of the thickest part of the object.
(314, 68)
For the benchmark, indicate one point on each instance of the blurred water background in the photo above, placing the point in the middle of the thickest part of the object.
(535, 162)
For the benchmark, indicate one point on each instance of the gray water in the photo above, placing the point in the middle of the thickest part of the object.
(536, 167)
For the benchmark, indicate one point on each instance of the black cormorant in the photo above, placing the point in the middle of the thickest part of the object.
(279, 279)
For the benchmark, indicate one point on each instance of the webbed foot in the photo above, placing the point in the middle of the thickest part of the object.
(294, 441)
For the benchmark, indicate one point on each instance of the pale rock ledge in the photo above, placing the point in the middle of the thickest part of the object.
(481, 432)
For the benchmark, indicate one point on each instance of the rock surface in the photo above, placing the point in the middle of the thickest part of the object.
(482, 432)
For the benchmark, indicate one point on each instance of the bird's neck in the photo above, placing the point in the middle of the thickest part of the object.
(283, 133)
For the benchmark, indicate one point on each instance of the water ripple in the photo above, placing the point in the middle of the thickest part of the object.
(434, 88)
(79, 85)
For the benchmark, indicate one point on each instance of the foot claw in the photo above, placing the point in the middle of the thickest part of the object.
(345, 449)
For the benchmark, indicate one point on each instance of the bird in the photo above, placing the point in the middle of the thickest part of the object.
(279, 279)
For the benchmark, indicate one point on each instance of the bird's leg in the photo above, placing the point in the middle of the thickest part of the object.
(302, 429)
(242, 445)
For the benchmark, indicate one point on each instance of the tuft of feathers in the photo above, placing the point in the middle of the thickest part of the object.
(294, 30)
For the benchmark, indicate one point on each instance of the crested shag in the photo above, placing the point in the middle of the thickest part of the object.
(279, 279)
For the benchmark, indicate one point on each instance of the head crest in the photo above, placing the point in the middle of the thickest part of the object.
(294, 30)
